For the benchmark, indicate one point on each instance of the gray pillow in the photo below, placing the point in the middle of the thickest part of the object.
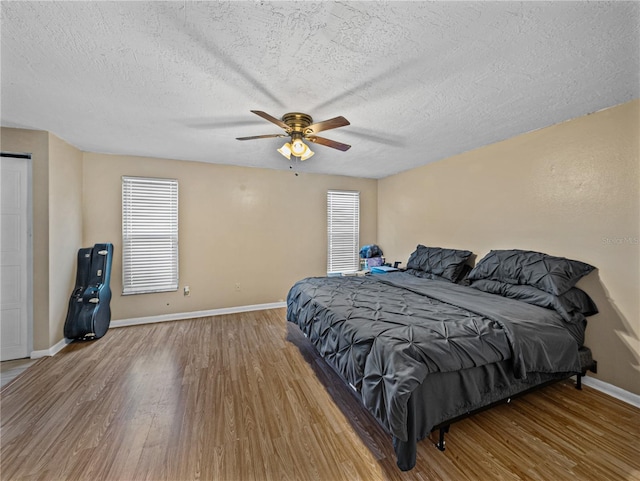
(438, 262)
(426, 275)
(573, 305)
(555, 275)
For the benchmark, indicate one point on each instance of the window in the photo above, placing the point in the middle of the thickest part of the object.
(149, 235)
(343, 227)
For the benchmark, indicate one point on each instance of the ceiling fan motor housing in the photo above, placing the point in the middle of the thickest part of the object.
(297, 121)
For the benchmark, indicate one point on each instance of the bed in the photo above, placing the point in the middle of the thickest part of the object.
(421, 349)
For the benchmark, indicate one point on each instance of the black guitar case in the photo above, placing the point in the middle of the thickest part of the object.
(89, 311)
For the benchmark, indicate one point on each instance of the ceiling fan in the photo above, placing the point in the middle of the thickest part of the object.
(300, 127)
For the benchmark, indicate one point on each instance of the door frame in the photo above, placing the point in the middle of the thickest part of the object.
(29, 267)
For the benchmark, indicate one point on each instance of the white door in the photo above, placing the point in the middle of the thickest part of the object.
(14, 271)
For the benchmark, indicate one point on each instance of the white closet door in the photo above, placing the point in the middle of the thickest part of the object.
(13, 253)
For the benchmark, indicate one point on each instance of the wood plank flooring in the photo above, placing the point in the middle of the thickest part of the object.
(9, 370)
(244, 397)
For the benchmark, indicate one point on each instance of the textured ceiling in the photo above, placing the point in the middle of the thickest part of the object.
(419, 81)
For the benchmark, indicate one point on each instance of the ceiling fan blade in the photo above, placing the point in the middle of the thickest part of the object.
(333, 123)
(269, 136)
(270, 118)
(328, 143)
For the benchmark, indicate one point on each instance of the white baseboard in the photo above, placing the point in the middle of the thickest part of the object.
(191, 315)
(56, 348)
(52, 351)
(611, 390)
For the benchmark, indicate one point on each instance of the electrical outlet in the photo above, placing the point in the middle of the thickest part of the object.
(237, 287)
(187, 291)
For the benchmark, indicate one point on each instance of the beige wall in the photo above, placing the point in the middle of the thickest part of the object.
(65, 229)
(260, 228)
(570, 190)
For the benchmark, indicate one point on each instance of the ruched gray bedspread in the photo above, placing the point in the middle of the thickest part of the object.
(385, 333)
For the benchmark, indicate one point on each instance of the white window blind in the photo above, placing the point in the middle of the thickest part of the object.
(343, 227)
(149, 235)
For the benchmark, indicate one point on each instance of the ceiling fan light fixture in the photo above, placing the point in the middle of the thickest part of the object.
(286, 150)
(308, 153)
(298, 147)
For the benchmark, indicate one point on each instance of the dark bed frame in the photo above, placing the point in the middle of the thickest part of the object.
(587, 363)
(406, 452)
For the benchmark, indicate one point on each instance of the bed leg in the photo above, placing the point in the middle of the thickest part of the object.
(440, 443)
(579, 382)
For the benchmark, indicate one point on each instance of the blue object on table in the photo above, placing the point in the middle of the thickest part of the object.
(382, 269)
(370, 251)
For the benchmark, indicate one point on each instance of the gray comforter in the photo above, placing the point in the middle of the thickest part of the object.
(385, 333)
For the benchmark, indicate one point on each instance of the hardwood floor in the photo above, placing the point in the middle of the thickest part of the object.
(9, 370)
(244, 397)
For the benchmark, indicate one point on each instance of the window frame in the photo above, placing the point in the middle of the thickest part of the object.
(149, 226)
(343, 231)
